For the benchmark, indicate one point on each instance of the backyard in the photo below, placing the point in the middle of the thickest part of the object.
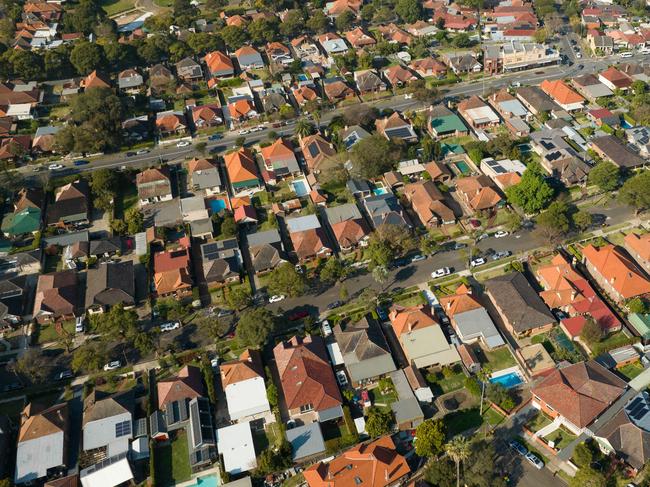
(173, 460)
(442, 384)
(497, 359)
(630, 371)
(113, 7)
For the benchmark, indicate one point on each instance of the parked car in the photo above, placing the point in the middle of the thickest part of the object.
(130, 154)
(170, 325)
(477, 261)
(381, 312)
(54, 167)
(66, 374)
(215, 137)
(518, 447)
(224, 312)
(475, 223)
(276, 298)
(418, 258)
(12, 386)
(341, 378)
(214, 362)
(142, 152)
(501, 255)
(299, 269)
(444, 271)
(334, 304)
(482, 236)
(501, 234)
(532, 458)
(115, 364)
(244, 132)
(458, 245)
(326, 328)
(183, 143)
(81, 162)
(79, 324)
(298, 315)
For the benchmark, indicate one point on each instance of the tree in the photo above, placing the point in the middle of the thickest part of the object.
(118, 322)
(512, 221)
(104, 186)
(373, 156)
(431, 149)
(228, 226)
(254, 327)
(635, 191)
(343, 293)
(541, 35)
(379, 422)
(317, 22)
(332, 271)
(458, 450)
(591, 331)
(262, 30)
(605, 175)
(272, 460)
(144, 342)
(304, 127)
(588, 477)
(85, 16)
(238, 297)
(380, 273)
(430, 438)
(554, 222)
(134, 220)
(6, 483)
(234, 36)
(286, 280)
(582, 220)
(89, 357)
(202, 42)
(33, 365)
(583, 455)
(428, 245)
(86, 57)
(22, 64)
(440, 473)
(639, 306)
(462, 41)
(344, 21)
(293, 23)
(532, 193)
(360, 114)
(409, 10)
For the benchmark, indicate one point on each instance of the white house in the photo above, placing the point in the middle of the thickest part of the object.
(235, 444)
(107, 422)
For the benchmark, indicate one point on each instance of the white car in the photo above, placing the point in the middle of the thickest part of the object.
(142, 152)
(501, 234)
(532, 458)
(54, 167)
(326, 328)
(79, 324)
(626, 54)
(276, 298)
(444, 271)
(170, 325)
(183, 143)
(244, 132)
(476, 262)
(214, 362)
(115, 364)
(578, 55)
(341, 378)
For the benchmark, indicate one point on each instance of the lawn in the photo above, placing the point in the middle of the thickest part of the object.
(164, 3)
(376, 396)
(443, 385)
(113, 7)
(497, 359)
(49, 333)
(560, 437)
(614, 340)
(632, 370)
(493, 417)
(173, 460)
(538, 422)
(460, 421)
(408, 300)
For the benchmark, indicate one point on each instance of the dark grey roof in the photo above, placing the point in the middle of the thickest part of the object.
(221, 260)
(273, 101)
(358, 186)
(99, 405)
(306, 441)
(535, 97)
(266, 237)
(364, 339)
(110, 283)
(519, 302)
(105, 246)
(617, 151)
(385, 209)
(630, 442)
(342, 213)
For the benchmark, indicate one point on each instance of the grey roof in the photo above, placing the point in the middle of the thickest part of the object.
(352, 135)
(243, 482)
(629, 438)
(201, 227)
(221, 259)
(361, 341)
(66, 239)
(368, 81)
(49, 130)
(342, 213)
(266, 250)
(306, 441)
(302, 223)
(273, 101)
(406, 408)
(477, 323)
(385, 209)
(130, 81)
(206, 178)
(618, 152)
(358, 186)
(189, 68)
(266, 237)
(105, 246)
(519, 302)
(110, 283)
(99, 405)
(535, 97)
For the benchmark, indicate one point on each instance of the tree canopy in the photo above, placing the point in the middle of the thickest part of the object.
(605, 175)
(379, 422)
(533, 193)
(634, 191)
(373, 156)
(254, 327)
(430, 437)
(285, 280)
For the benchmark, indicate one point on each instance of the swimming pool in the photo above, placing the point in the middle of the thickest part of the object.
(511, 379)
(378, 191)
(210, 481)
(625, 124)
(300, 187)
(524, 148)
(217, 205)
(463, 168)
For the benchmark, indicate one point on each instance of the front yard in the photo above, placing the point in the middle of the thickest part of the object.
(537, 422)
(561, 437)
(49, 333)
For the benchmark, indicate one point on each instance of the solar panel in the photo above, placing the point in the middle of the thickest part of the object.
(313, 149)
(210, 251)
(400, 132)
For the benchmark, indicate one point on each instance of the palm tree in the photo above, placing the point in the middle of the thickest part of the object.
(304, 127)
(380, 274)
(458, 449)
(483, 375)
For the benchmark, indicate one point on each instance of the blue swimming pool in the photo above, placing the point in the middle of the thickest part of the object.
(625, 124)
(379, 190)
(217, 205)
(300, 187)
(509, 380)
(210, 481)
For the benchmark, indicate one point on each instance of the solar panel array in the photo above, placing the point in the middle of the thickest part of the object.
(638, 408)
(105, 463)
(400, 132)
(210, 251)
(496, 167)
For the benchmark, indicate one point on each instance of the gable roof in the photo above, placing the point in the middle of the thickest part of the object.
(240, 166)
(219, 62)
(560, 92)
(56, 293)
(110, 283)
(37, 422)
(618, 269)
(99, 405)
(459, 302)
(639, 244)
(186, 385)
(247, 366)
(405, 320)
(361, 339)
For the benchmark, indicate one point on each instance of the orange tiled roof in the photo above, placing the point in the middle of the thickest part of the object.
(247, 366)
(240, 108)
(639, 244)
(405, 320)
(218, 61)
(240, 166)
(618, 269)
(279, 148)
(560, 92)
(459, 302)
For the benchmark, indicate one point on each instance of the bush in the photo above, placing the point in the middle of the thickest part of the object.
(473, 386)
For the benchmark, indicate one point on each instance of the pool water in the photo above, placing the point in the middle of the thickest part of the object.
(625, 124)
(463, 167)
(300, 188)
(524, 148)
(380, 190)
(217, 205)
(509, 380)
(210, 481)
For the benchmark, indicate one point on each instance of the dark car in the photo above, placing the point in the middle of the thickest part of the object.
(335, 304)
(13, 386)
(130, 154)
(475, 223)
(81, 162)
(215, 137)
(401, 262)
(298, 315)
(381, 312)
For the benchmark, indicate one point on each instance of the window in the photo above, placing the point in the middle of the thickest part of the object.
(122, 428)
(306, 408)
(357, 480)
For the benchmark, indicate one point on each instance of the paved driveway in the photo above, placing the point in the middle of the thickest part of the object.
(521, 472)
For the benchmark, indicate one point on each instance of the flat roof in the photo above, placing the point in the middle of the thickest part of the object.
(306, 441)
(537, 359)
(235, 444)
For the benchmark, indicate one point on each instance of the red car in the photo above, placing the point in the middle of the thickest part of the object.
(298, 315)
(475, 223)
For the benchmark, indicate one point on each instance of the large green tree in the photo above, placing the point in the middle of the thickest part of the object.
(635, 193)
(118, 322)
(532, 193)
(254, 327)
(409, 10)
(430, 438)
(86, 57)
(605, 175)
(89, 357)
(285, 280)
(554, 222)
(379, 422)
(373, 156)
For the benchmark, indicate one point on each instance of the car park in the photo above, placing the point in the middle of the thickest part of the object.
(477, 261)
(183, 143)
(534, 460)
(518, 447)
(501, 234)
(54, 167)
(341, 378)
(276, 298)
(170, 325)
(115, 364)
(443, 271)
(81, 162)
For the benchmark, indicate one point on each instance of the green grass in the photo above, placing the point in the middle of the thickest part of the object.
(614, 340)
(443, 385)
(48, 333)
(561, 437)
(460, 421)
(632, 370)
(113, 7)
(408, 300)
(498, 359)
(376, 396)
(173, 460)
(538, 422)
(493, 417)
(164, 3)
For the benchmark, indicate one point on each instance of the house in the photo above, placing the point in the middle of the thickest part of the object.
(206, 116)
(273, 101)
(590, 87)
(57, 296)
(336, 89)
(243, 382)
(15, 303)
(347, 226)
(368, 81)
(305, 94)
(639, 138)
(279, 161)
(308, 238)
(306, 442)
(108, 284)
(421, 337)
(278, 53)
(478, 114)
(172, 270)
(398, 76)
(44, 139)
(418, 384)
(406, 409)
(130, 81)
(566, 290)
(241, 110)
(558, 157)
(332, 44)
(107, 423)
(615, 272)
(95, 80)
(443, 122)
(615, 79)
(308, 385)
(242, 171)
(611, 148)
(306, 49)
(395, 127)
(478, 193)
(384, 209)
(171, 123)
(352, 134)
(249, 58)
(364, 349)
(638, 246)
(153, 185)
(468, 359)
(470, 319)
(439, 172)
(358, 38)
(521, 309)
(504, 173)
(235, 444)
(359, 188)
(602, 116)
(375, 464)
(463, 63)
(535, 100)
(161, 79)
(70, 205)
(576, 395)
(561, 94)
(176, 393)
(335, 8)
(395, 35)
(266, 250)
(219, 65)
(517, 56)
(507, 105)
(428, 67)
(428, 203)
(204, 176)
(221, 261)
(188, 69)
(316, 150)
(42, 449)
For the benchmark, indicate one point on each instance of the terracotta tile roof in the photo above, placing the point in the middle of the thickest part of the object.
(218, 61)
(305, 373)
(240, 166)
(304, 94)
(187, 384)
(308, 243)
(199, 165)
(152, 175)
(618, 269)
(95, 80)
(376, 464)
(427, 65)
(359, 38)
(172, 281)
(349, 233)
(240, 108)
(617, 78)
(639, 244)
(405, 320)
(398, 74)
(560, 92)
(36, 423)
(460, 302)
(478, 191)
(580, 392)
(247, 366)
(208, 113)
(171, 122)
(56, 293)
(436, 170)
(236, 20)
(340, 6)
(508, 179)
(245, 51)
(315, 149)
(338, 89)
(280, 148)
(428, 202)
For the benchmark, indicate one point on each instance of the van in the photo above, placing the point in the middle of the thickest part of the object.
(79, 324)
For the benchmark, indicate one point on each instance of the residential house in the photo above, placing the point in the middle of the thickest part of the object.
(336, 7)
(615, 79)
(603, 116)
(406, 409)
(161, 79)
(273, 101)
(266, 250)
(420, 28)
(221, 261)
(521, 309)
(561, 94)
(153, 185)
(172, 271)
(22, 222)
(421, 337)
(204, 176)
(189, 70)
(336, 89)
(364, 350)
(478, 114)
(15, 302)
(219, 65)
(470, 319)
(241, 110)
(308, 238)
(249, 58)
(504, 173)
(395, 127)
(70, 205)
(439, 172)
(206, 116)
(130, 81)
(566, 290)
(136, 128)
(235, 444)
(384, 209)
(307, 381)
(615, 272)
(359, 188)
(376, 463)
(242, 380)
(306, 442)
(352, 134)
(398, 76)
(576, 395)
(107, 423)
(590, 87)
(108, 284)
(639, 138)
(463, 63)
(611, 148)
(358, 38)
(176, 393)
(395, 35)
(42, 450)
(306, 50)
(428, 67)
(638, 246)
(242, 171)
(558, 157)
(95, 80)
(278, 53)
(44, 139)
(171, 123)
(332, 44)
(348, 226)
(507, 105)
(279, 161)
(368, 81)
(516, 56)
(428, 203)
(443, 122)
(535, 100)
(57, 297)
(305, 94)
(478, 193)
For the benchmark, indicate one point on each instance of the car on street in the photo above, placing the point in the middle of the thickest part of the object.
(130, 154)
(501, 234)
(418, 258)
(400, 262)
(12, 386)
(443, 271)
(215, 137)
(341, 378)
(115, 364)
(81, 162)
(298, 315)
(482, 236)
(142, 152)
(170, 325)
(276, 298)
(626, 54)
(326, 328)
(534, 460)
(518, 447)
(66, 374)
(501, 255)
(54, 167)
(458, 246)
(183, 143)
(381, 312)
(477, 261)
(244, 132)
(334, 304)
